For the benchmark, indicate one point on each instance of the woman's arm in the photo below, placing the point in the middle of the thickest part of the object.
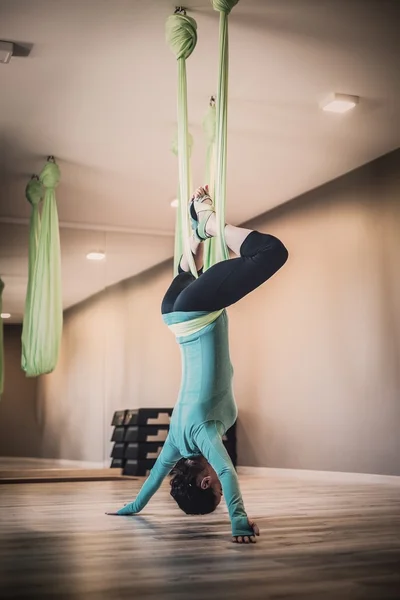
(167, 459)
(209, 442)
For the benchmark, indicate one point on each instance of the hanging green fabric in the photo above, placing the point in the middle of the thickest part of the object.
(42, 326)
(224, 7)
(34, 194)
(181, 34)
(1, 340)
(179, 233)
(209, 127)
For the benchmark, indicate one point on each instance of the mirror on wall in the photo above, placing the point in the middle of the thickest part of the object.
(48, 422)
(113, 336)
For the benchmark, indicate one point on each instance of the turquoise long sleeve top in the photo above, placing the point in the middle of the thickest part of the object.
(205, 410)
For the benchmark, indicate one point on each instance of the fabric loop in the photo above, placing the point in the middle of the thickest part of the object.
(181, 34)
(34, 192)
(50, 175)
(224, 6)
(186, 328)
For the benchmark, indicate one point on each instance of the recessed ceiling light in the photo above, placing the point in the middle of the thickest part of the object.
(5, 315)
(96, 256)
(175, 203)
(339, 103)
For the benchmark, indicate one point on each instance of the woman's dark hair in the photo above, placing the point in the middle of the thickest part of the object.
(191, 498)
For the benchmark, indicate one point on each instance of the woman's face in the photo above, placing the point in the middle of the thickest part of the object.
(208, 478)
(217, 487)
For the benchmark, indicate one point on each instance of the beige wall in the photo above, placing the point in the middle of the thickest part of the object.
(20, 433)
(320, 388)
(315, 351)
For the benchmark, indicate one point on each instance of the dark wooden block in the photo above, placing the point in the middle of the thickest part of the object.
(138, 467)
(231, 449)
(117, 463)
(118, 450)
(156, 433)
(148, 416)
(230, 435)
(118, 434)
(143, 450)
(118, 418)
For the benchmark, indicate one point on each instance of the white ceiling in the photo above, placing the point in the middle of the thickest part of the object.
(98, 92)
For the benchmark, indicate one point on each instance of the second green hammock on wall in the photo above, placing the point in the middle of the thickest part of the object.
(43, 317)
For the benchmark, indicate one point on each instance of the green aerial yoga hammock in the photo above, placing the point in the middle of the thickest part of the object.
(42, 326)
(181, 34)
(179, 237)
(224, 7)
(210, 256)
(182, 37)
(1, 340)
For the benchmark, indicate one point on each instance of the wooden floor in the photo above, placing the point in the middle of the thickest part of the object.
(320, 540)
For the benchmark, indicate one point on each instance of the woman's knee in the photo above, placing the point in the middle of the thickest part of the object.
(276, 250)
(281, 252)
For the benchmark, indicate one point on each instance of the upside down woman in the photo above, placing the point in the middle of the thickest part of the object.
(194, 309)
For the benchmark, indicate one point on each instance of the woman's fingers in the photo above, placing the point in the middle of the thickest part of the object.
(238, 539)
(254, 526)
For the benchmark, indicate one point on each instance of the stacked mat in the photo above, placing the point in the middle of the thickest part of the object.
(139, 436)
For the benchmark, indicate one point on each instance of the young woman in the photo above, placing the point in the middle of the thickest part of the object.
(194, 309)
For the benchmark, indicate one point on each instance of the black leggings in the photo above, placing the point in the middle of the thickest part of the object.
(261, 255)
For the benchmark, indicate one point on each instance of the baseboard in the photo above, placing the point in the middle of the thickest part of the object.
(82, 464)
(56, 463)
(320, 475)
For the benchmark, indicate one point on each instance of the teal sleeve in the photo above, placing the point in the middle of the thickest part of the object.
(167, 459)
(210, 444)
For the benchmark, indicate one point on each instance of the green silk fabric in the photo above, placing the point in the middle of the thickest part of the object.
(224, 6)
(181, 33)
(220, 252)
(210, 256)
(1, 340)
(181, 230)
(43, 317)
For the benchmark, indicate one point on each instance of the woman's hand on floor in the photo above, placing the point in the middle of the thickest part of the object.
(116, 514)
(120, 513)
(247, 539)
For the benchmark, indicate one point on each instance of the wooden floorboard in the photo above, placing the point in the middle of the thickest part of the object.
(320, 540)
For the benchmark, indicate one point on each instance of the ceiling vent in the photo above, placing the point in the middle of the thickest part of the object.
(6, 52)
